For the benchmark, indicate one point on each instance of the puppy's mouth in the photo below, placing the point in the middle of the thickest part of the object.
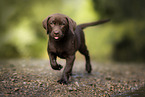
(56, 37)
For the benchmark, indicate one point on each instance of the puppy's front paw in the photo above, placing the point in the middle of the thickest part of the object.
(61, 81)
(57, 67)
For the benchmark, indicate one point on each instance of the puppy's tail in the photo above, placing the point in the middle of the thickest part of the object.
(83, 26)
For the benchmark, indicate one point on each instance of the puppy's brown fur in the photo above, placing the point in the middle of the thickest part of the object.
(65, 38)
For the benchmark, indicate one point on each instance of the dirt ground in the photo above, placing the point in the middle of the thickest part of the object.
(30, 78)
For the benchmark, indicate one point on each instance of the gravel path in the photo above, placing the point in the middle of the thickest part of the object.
(36, 78)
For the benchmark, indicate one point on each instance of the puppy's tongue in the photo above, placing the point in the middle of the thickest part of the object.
(56, 37)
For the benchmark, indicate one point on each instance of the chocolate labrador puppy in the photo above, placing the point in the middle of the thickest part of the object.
(65, 38)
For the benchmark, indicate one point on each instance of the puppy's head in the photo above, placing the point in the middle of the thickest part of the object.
(58, 25)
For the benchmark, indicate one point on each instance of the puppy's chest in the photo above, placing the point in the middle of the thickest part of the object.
(61, 50)
(61, 53)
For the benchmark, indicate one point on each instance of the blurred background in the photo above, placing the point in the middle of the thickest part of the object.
(121, 40)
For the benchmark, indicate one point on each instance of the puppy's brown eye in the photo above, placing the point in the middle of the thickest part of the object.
(52, 23)
(62, 24)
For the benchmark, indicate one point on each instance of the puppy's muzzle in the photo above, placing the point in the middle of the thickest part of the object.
(56, 34)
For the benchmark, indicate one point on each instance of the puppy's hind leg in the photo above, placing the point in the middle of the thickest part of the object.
(83, 50)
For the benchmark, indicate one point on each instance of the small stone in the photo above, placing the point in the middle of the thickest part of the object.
(74, 89)
(70, 89)
(9, 93)
(108, 78)
(13, 80)
(4, 81)
(90, 84)
(14, 73)
(77, 84)
(16, 89)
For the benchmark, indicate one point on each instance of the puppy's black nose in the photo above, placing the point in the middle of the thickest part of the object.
(56, 32)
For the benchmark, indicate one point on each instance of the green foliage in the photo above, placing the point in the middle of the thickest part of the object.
(120, 10)
(22, 34)
(129, 19)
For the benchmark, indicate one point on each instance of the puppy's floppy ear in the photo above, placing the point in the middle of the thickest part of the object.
(45, 24)
(72, 24)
